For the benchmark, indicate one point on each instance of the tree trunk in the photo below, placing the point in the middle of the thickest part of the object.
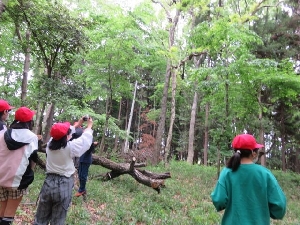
(283, 149)
(190, 157)
(205, 147)
(139, 136)
(25, 71)
(173, 106)
(26, 66)
(261, 132)
(39, 117)
(218, 160)
(102, 143)
(162, 118)
(283, 140)
(126, 146)
(117, 136)
(297, 161)
(49, 121)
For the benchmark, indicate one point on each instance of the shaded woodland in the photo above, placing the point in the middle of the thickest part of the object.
(164, 80)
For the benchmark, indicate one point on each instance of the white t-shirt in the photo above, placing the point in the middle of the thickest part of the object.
(60, 161)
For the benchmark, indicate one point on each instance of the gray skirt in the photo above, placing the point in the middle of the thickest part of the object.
(54, 200)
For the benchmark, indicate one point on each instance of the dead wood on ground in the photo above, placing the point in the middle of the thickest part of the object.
(150, 179)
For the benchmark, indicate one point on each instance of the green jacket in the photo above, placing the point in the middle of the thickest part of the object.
(250, 196)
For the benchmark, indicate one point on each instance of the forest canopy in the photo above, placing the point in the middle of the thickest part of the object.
(168, 79)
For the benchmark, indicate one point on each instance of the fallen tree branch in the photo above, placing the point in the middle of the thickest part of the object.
(150, 179)
(155, 181)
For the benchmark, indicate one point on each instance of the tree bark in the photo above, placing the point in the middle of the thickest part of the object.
(25, 70)
(49, 121)
(173, 106)
(206, 131)
(117, 136)
(39, 118)
(126, 145)
(297, 161)
(162, 118)
(190, 157)
(261, 132)
(283, 149)
(283, 140)
(102, 143)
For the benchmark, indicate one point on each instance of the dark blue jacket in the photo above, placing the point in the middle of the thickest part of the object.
(87, 156)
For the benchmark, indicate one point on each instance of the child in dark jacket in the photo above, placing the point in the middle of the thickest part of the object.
(84, 164)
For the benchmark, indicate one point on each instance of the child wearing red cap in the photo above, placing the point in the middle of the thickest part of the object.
(18, 150)
(56, 193)
(5, 108)
(249, 193)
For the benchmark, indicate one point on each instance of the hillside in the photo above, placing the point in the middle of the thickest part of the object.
(184, 201)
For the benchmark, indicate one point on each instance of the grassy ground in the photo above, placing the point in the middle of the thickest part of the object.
(184, 201)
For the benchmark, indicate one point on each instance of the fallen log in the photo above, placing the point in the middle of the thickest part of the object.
(150, 179)
(153, 180)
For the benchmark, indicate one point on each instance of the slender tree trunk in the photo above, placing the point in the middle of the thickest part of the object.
(218, 160)
(49, 121)
(173, 107)
(39, 117)
(126, 122)
(117, 136)
(297, 161)
(126, 147)
(138, 126)
(261, 132)
(283, 149)
(26, 62)
(25, 71)
(162, 118)
(190, 157)
(205, 147)
(102, 143)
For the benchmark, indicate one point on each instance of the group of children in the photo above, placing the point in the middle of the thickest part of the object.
(18, 155)
(249, 193)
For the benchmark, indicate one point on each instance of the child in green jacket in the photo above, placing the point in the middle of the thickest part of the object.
(249, 193)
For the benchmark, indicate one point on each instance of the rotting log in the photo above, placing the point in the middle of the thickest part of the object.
(150, 179)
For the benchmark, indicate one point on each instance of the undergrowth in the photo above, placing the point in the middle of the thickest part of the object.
(184, 201)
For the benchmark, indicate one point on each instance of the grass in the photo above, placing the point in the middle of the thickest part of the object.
(184, 201)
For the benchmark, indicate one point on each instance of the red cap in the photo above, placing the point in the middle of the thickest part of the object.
(246, 142)
(4, 105)
(59, 130)
(23, 114)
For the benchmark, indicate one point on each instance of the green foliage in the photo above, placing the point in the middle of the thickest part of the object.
(56, 36)
(153, 115)
(285, 83)
(240, 58)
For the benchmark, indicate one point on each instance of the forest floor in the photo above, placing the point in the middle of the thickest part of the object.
(184, 201)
